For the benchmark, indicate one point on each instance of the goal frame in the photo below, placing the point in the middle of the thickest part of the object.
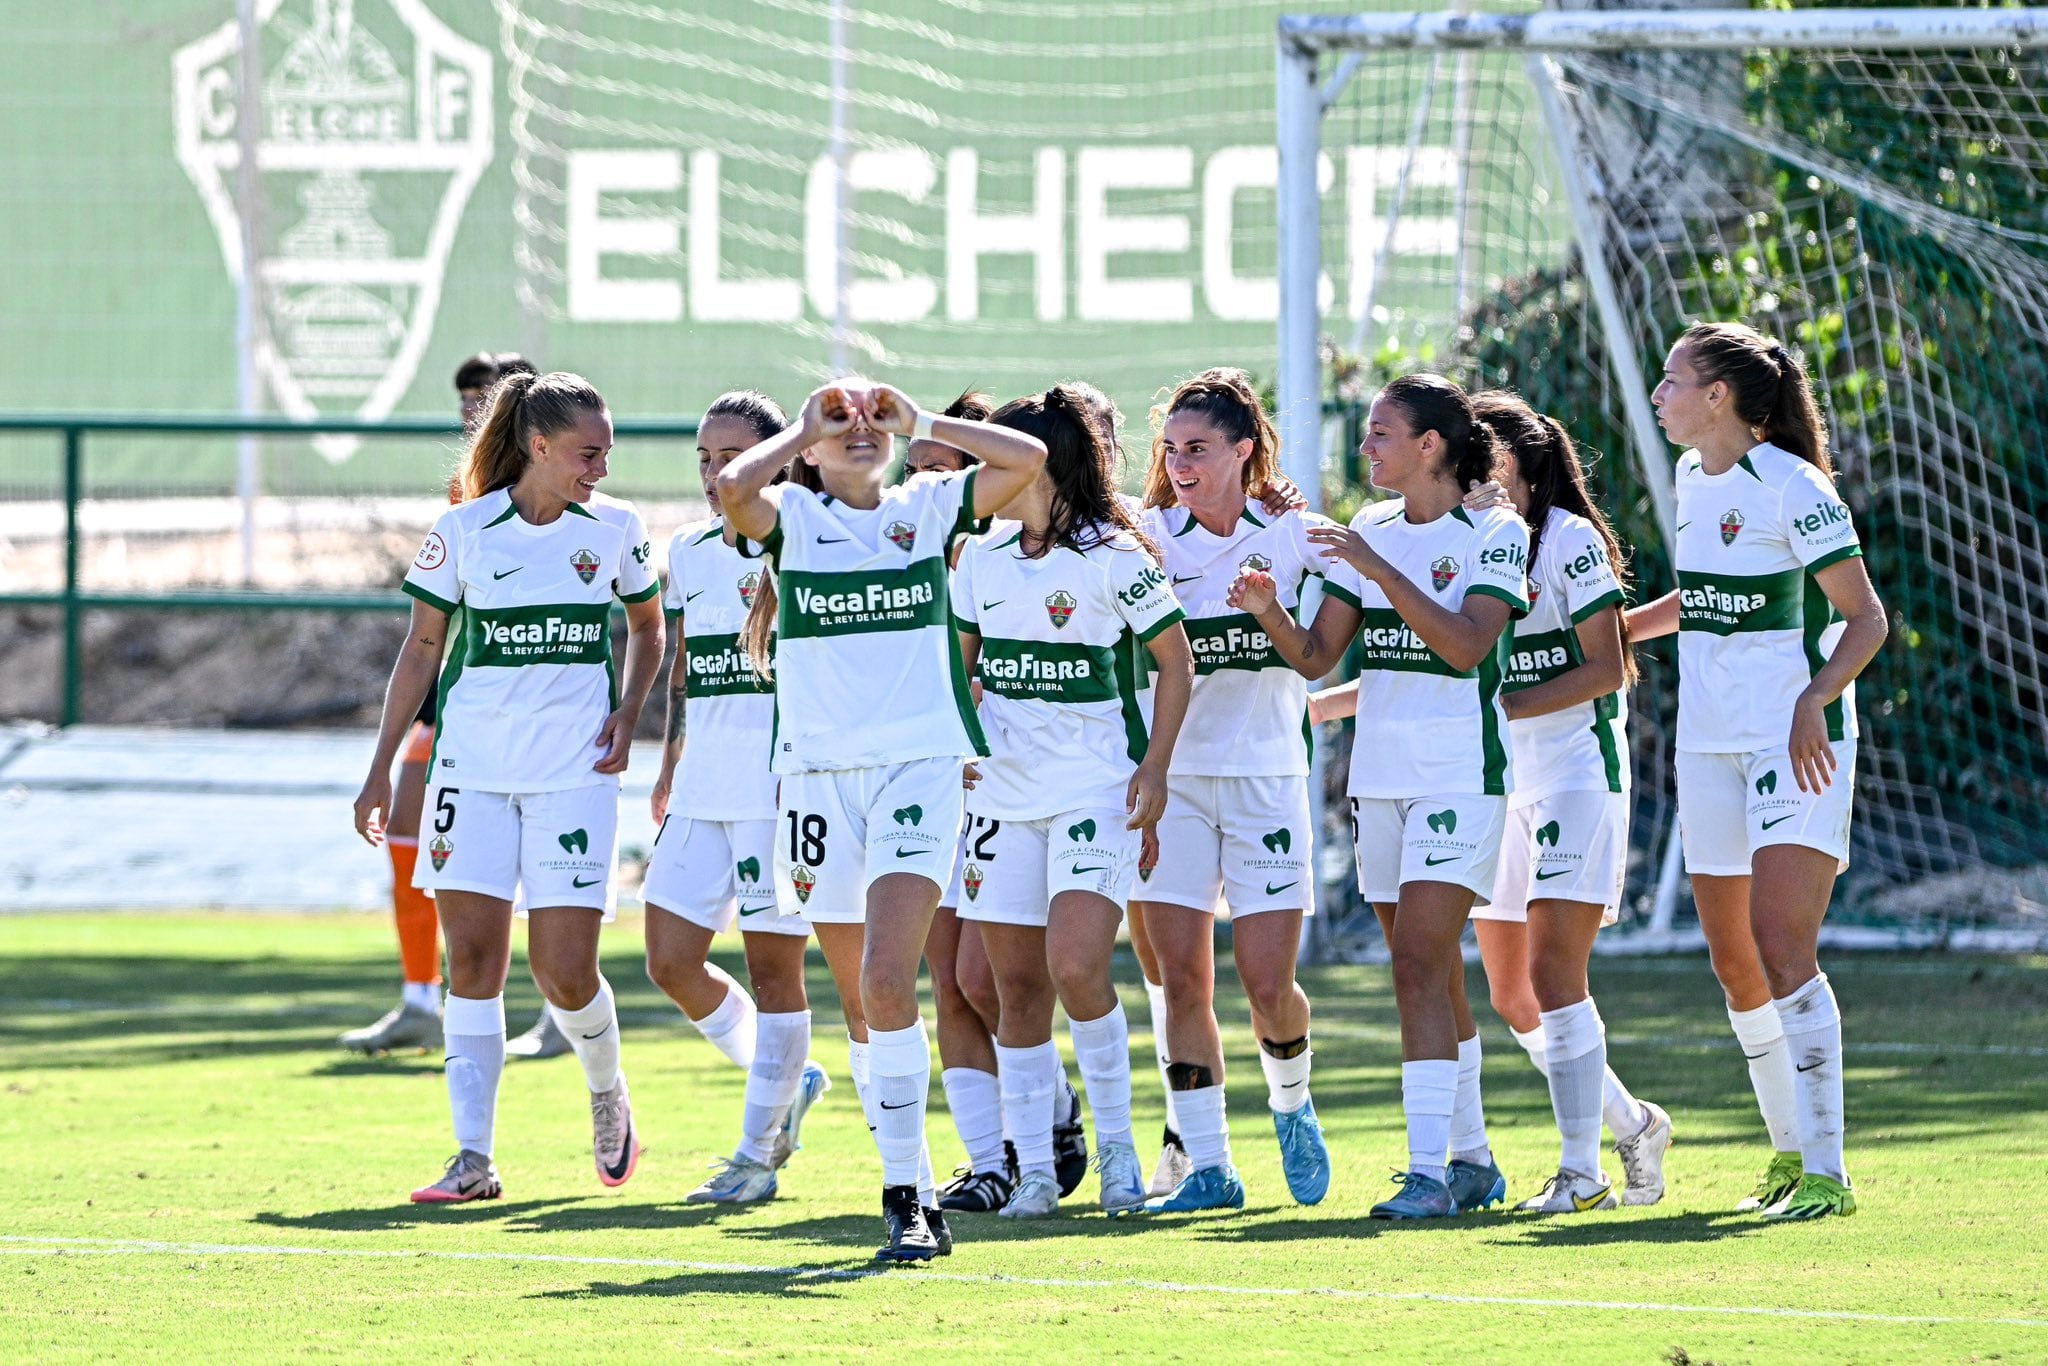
(1303, 96)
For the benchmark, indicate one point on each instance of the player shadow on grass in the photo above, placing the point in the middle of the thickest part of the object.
(788, 1283)
(841, 1231)
(601, 1214)
(1523, 1230)
(408, 1215)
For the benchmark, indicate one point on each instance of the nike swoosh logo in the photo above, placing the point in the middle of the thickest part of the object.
(692, 597)
(908, 853)
(507, 573)
(904, 1106)
(1271, 890)
(1544, 877)
(1681, 526)
(991, 606)
(1093, 868)
(1431, 861)
(1778, 821)
(625, 1162)
(600, 1033)
(579, 882)
(1180, 579)
(833, 540)
(756, 911)
(1289, 1085)
(1584, 1203)
(1754, 1056)
(1810, 1066)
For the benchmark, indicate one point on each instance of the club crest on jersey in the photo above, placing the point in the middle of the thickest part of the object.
(585, 564)
(1731, 525)
(439, 851)
(971, 880)
(1443, 572)
(1256, 561)
(750, 584)
(903, 534)
(803, 879)
(1060, 607)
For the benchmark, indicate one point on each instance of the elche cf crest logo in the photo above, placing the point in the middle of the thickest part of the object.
(439, 851)
(1060, 607)
(804, 880)
(750, 584)
(368, 113)
(1731, 525)
(971, 880)
(1256, 561)
(903, 534)
(1443, 572)
(585, 564)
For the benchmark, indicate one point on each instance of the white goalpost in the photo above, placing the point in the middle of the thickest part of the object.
(1866, 184)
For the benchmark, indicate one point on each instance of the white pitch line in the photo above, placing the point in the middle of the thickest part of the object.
(21, 1245)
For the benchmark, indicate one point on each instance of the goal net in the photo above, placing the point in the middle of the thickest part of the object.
(1869, 186)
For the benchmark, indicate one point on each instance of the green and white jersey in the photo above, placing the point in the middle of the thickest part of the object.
(1059, 673)
(729, 709)
(528, 678)
(867, 671)
(1424, 728)
(1582, 748)
(1249, 713)
(1753, 627)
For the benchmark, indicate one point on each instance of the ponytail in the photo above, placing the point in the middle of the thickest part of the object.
(1082, 469)
(757, 637)
(1772, 392)
(1226, 397)
(523, 405)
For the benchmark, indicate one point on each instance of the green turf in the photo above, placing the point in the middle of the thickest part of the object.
(170, 1097)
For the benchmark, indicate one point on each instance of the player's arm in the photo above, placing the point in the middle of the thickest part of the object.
(644, 635)
(1603, 670)
(417, 668)
(1847, 584)
(1654, 619)
(745, 492)
(672, 730)
(1172, 685)
(1311, 650)
(1460, 638)
(1010, 459)
(1333, 704)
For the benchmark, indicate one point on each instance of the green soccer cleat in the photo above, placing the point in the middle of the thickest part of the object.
(1815, 1197)
(1778, 1181)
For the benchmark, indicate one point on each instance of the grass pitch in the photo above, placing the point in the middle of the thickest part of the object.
(192, 1170)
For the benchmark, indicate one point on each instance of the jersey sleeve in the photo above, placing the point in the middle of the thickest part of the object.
(1141, 593)
(638, 580)
(1817, 523)
(435, 578)
(1502, 568)
(672, 598)
(966, 618)
(1585, 573)
(1343, 581)
(785, 498)
(1308, 552)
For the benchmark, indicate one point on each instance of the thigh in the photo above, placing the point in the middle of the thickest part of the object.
(1711, 814)
(1190, 868)
(1453, 841)
(1429, 921)
(912, 823)
(1777, 812)
(1081, 929)
(1789, 895)
(1184, 941)
(1265, 949)
(942, 949)
(478, 932)
(1024, 983)
(1004, 880)
(1723, 907)
(821, 844)
(1561, 935)
(569, 847)
(1268, 845)
(474, 844)
(1141, 939)
(1504, 953)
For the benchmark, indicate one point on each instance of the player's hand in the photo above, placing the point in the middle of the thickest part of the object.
(1145, 797)
(657, 800)
(969, 776)
(831, 411)
(373, 804)
(1148, 848)
(1342, 543)
(1813, 758)
(889, 409)
(1282, 495)
(1480, 496)
(1253, 591)
(616, 740)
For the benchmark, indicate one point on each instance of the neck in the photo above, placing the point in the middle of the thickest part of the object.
(535, 504)
(1430, 500)
(1218, 520)
(855, 488)
(1720, 450)
(1033, 507)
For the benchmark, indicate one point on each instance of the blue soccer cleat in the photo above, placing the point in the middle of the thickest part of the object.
(1204, 1188)
(1420, 1197)
(1304, 1157)
(815, 1084)
(1476, 1187)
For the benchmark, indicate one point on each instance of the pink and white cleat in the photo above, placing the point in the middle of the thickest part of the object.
(613, 1144)
(470, 1175)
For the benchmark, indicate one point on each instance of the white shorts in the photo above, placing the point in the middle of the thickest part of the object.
(1249, 840)
(1427, 839)
(1731, 805)
(1013, 869)
(843, 831)
(712, 873)
(956, 888)
(1569, 846)
(542, 848)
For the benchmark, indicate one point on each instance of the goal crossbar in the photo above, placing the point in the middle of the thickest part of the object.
(1695, 30)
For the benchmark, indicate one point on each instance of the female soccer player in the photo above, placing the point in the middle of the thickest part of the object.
(1049, 607)
(534, 733)
(873, 718)
(714, 855)
(1775, 617)
(1238, 824)
(1433, 586)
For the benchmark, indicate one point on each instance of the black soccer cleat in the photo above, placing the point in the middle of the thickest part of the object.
(935, 1220)
(1069, 1145)
(976, 1192)
(909, 1236)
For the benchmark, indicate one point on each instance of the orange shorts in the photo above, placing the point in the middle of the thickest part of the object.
(419, 744)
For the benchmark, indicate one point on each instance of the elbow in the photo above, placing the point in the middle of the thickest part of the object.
(729, 485)
(1464, 659)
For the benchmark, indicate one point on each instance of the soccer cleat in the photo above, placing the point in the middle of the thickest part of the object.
(1070, 1144)
(1815, 1197)
(908, 1237)
(738, 1181)
(404, 1026)
(1206, 1188)
(942, 1237)
(971, 1192)
(1571, 1193)
(1037, 1196)
(1642, 1159)
(1304, 1157)
(613, 1144)
(470, 1175)
(1173, 1166)
(1123, 1180)
(1476, 1187)
(815, 1083)
(544, 1039)
(1420, 1197)
(1779, 1180)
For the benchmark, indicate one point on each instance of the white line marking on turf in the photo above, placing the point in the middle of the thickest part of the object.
(21, 1245)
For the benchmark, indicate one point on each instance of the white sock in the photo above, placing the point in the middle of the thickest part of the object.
(782, 1043)
(1102, 1048)
(730, 1026)
(421, 996)
(1155, 996)
(1030, 1079)
(901, 1063)
(594, 1033)
(1576, 1058)
(975, 1099)
(1286, 1079)
(1813, 1036)
(1468, 1115)
(1205, 1127)
(475, 1034)
(863, 1078)
(1624, 1114)
(1762, 1035)
(1429, 1093)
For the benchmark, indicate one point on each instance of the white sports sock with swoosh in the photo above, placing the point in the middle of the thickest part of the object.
(900, 1061)
(1576, 1060)
(1286, 1080)
(731, 1026)
(593, 1032)
(1155, 996)
(475, 1034)
(783, 1043)
(1813, 1036)
(1030, 1078)
(1429, 1092)
(1761, 1032)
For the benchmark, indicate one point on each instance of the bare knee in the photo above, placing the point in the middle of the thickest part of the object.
(1419, 973)
(570, 988)
(977, 988)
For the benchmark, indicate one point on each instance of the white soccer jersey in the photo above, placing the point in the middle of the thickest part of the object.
(1753, 628)
(528, 677)
(1059, 669)
(1424, 728)
(1582, 748)
(866, 668)
(730, 709)
(1249, 713)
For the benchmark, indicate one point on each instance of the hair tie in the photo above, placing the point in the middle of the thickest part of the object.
(1780, 356)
